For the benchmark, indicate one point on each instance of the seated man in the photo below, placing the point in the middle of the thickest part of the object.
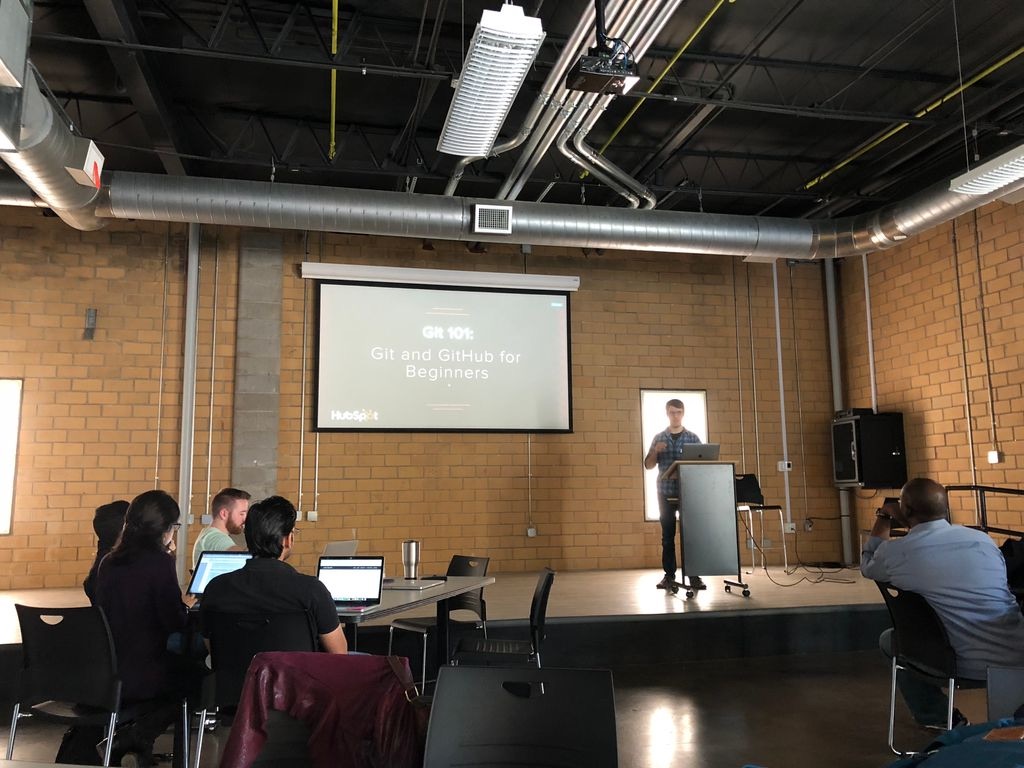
(227, 511)
(961, 573)
(267, 584)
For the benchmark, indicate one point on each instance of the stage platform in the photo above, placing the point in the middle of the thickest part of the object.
(613, 618)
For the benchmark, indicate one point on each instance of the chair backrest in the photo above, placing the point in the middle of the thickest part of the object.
(920, 639)
(1004, 691)
(68, 655)
(539, 607)
(467, 565)
(236, 637)
(748, 490)
(522, 716)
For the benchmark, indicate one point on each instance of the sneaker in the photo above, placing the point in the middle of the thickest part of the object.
(697, 583)
(667, 582)
(958, 722)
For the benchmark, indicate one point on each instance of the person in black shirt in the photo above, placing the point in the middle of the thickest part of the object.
(267, 584)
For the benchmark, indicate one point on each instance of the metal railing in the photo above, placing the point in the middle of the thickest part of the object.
(979, 491)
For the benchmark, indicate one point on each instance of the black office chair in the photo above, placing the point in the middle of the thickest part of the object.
(68, 672)
(234, 639)
(522, 716)
(750, 499)
(476, 651)
(920, 646)
(460, 565)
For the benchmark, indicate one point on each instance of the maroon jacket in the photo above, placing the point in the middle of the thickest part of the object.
(354, 705)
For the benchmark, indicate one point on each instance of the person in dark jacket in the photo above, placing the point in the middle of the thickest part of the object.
(107, 522)
(137, 588)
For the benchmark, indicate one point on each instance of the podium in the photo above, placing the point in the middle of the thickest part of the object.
(707, 517)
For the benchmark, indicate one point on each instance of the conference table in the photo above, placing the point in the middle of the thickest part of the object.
(395, 601)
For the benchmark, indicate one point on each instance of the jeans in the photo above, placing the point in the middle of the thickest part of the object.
(667, 509)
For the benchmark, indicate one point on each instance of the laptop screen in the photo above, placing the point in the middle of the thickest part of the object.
(212, 564)
(354, 582)
(341, 548)
(700, 452)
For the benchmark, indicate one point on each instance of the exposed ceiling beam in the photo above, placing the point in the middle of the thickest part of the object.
(118, 20)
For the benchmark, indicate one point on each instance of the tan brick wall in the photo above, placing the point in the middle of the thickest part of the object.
(96, 417)
(920, 363)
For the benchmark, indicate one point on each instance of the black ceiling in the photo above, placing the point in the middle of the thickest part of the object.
(787, 91)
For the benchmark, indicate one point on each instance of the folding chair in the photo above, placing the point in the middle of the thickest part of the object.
(522, 716)
(460, 565)
(68, 672)
(920, 646)
(234, 639)
(491, 651)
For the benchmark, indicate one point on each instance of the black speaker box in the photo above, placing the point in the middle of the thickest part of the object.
(868, 450)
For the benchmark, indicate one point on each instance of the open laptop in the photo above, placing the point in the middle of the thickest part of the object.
(354, 582)
(212, 564)
(345, 548)
(699, 452)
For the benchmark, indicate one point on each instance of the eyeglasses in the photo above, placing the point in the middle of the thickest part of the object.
(175, 526)
(295, 530)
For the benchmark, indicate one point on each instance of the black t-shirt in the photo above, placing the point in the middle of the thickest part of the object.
(267, 585)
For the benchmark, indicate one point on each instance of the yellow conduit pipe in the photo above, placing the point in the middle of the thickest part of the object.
(332, 149)
(934, 105)
(664, 73)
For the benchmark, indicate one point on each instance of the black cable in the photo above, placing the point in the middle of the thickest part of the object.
(821, 576)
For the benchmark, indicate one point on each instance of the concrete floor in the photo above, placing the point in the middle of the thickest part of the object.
(779, 712)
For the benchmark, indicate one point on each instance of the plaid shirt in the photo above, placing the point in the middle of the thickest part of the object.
(670, 486)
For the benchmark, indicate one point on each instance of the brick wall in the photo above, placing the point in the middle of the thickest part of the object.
(101, 417)
(931, 370)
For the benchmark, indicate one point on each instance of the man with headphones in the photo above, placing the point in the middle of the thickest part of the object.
(962, 575)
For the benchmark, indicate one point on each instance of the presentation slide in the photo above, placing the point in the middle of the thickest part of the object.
(442, 359)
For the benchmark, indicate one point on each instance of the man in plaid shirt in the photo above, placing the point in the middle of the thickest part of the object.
(667, 447)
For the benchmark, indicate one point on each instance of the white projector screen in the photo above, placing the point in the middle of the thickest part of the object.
(431, 358)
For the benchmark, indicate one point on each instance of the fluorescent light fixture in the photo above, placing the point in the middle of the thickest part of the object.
(317, 270)
(10, 420)
(503, 47)
(993, 175)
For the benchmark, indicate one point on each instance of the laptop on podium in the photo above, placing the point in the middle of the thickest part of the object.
(354, 582)
(700, 452)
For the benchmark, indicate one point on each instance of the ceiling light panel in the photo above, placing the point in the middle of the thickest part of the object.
(503, 47)
(993, 175)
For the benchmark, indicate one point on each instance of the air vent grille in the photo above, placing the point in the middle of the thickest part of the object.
(492, 219)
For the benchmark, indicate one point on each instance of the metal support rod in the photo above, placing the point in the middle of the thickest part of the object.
(845, 528)
(188, 392)
(782, 389)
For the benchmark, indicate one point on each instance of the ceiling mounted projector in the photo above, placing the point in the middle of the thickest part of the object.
(609, 67)
(601, 74)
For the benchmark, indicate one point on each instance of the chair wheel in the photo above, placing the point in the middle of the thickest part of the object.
(689, 593)
(746, 593)
(728, 588)
(674, 589)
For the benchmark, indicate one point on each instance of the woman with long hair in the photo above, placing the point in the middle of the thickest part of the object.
(137, 587)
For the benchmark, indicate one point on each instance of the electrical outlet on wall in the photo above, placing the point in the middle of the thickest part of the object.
(789, 527)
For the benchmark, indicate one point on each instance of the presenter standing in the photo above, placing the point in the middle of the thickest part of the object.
(667, 447)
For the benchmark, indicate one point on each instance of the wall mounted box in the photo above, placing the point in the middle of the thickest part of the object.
(868, 450)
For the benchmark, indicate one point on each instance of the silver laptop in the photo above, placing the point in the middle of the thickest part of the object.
(699, 452)
(345, 548)
(211, 564)
(415, 584)
(354, 582)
